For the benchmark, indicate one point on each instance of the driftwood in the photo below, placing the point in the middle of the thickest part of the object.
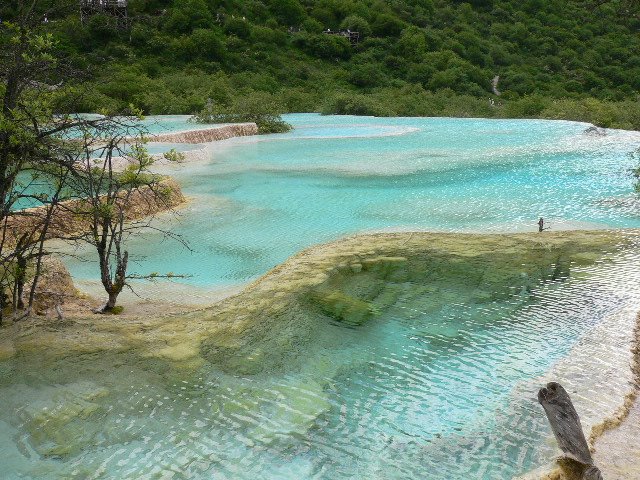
(567, 429)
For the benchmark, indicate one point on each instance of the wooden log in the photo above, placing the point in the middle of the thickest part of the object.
(567, 429)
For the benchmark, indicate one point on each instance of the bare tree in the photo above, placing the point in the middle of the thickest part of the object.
(111, 178)
(56, 162)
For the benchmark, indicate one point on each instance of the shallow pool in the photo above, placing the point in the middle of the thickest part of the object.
(263, 199)
(439, 383)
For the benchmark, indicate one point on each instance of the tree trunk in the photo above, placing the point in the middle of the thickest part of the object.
(20, 279)
(565, 423)
(43, 236)
(115, 286)
(59, 312)
(111, 303)
(36, 276)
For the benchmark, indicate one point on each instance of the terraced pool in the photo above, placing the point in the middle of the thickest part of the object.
(406, 356)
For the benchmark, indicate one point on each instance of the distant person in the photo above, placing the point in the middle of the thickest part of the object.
(541, 224)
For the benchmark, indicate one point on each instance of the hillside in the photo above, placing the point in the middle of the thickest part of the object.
(413, 57)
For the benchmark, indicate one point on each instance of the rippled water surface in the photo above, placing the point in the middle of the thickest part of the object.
(441, 385)
(264, 199)
(437, 387)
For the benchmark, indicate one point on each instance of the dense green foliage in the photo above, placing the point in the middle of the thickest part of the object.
(555, 58)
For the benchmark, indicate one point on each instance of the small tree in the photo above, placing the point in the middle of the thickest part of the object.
(30, 143)
(30, 228)
(112, 178)
(60, 164)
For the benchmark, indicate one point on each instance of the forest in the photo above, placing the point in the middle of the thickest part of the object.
(569, 59)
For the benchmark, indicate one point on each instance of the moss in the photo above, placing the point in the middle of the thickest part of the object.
(343, 307)
(391, 268)
(57, 426)
(243, 365)
(388, 296)
(277, 321)
(177, 352)
(7, 351)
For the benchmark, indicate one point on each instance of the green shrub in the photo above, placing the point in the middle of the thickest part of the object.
(238, 27)
(601, 114)
(206, 44)
(324, 46)
(174, 156)
(288, 12)
(525, 107)
(356, 104)
(299, 100)
(268, 36)
(386, 25)
(358, 24)
(366, 75)
(257, 107)
(311, 25)
(185, 15)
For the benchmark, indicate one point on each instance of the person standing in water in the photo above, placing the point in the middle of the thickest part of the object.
(541, 224)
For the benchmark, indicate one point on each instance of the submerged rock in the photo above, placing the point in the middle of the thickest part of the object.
(424, 271)
(343, 307)
(595, 131)
(56, 417)
(293, 410)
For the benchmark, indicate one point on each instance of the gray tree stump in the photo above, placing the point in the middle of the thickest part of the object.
(567, 429)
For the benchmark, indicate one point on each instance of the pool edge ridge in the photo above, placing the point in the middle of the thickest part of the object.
(388, 236)
(207, 135)
(617, 418)
(621, 418)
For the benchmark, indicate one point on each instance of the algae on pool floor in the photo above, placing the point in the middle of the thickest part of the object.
(269, 370)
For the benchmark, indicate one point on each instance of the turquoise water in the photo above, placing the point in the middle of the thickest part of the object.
(442, 385)
(265, 198)
(438, 387)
